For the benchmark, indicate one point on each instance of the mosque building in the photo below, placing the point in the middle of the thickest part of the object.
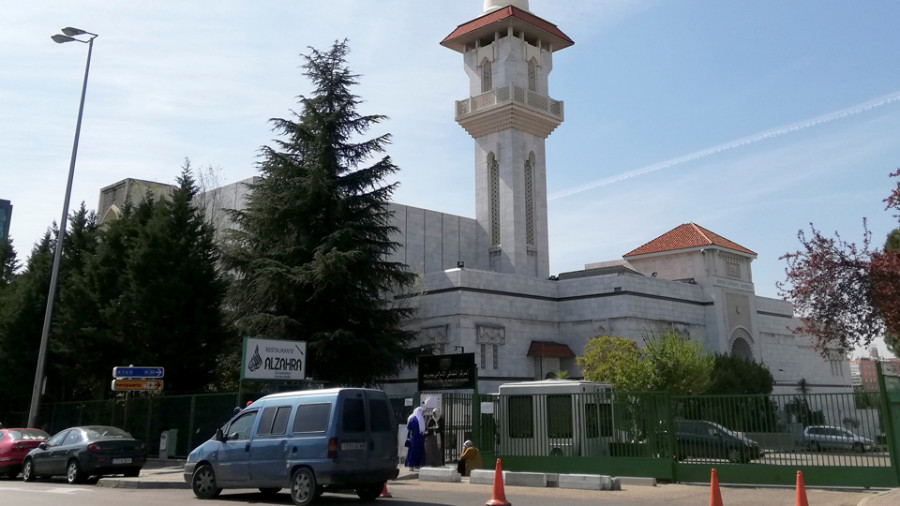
(485, 283)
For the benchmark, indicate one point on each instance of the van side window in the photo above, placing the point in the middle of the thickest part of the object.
(379, 417)
(312, 418)
(273, 421)
(353, 415)
(240, 427)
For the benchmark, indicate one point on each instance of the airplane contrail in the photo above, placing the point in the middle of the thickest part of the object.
(752, 139)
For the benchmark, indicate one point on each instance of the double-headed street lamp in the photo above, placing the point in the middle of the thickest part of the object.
(60, 38)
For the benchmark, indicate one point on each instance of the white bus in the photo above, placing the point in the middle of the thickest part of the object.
(554, 418)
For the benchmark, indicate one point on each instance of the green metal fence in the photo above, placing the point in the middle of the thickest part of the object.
(833, 438)
(192, 418)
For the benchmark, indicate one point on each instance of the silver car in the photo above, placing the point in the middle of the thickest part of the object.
(821, 437)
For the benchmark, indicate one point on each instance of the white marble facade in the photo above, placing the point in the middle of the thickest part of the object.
(573, 307)
(485, 282)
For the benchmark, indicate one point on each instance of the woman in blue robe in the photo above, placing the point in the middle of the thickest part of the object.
(415, 425)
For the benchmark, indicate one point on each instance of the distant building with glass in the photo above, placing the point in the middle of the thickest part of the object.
(5, 218)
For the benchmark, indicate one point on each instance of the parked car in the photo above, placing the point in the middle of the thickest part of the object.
(821, 437)
(310, 442)
(705, 439)
(90, 450)
(14, 445)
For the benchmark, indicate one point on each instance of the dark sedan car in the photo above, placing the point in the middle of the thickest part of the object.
(14, 445)
(702, 439)
(91, 450)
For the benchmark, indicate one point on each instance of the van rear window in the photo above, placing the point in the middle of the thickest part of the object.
(379, 416)
(312, 418)
(353, 416)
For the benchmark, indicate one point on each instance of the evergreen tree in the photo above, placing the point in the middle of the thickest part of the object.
(734, 375)
(161, 294)
(310, 252)
(9, 264)
(72, 367)
(22, 306)
(179, 291)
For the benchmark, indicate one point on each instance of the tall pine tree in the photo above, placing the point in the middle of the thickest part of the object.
(22, 306)
(9, 263)
(161, 292)
(310, 252)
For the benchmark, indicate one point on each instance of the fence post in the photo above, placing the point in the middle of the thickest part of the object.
(190, 436)
(672, 440)
(890, 424)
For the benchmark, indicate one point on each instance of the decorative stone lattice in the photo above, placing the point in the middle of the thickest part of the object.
(532, 75)
(733, 270)
(494, 196)
(490, 339)
(486, 76)
(529, 200)
(486, 334)
(435, 337)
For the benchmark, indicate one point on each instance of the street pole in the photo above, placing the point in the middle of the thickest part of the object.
(42, 353)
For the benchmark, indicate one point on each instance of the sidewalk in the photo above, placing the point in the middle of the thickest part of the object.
(169, 473)
(162, 473)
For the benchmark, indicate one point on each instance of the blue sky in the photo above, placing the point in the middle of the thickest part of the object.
(752, 118)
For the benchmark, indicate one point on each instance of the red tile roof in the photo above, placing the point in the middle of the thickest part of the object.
(466, 32)
(548, 349)
(687, 236)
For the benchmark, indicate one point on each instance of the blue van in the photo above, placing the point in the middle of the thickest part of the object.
(311, 442)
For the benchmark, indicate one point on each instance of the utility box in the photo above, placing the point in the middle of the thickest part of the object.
(167, 441)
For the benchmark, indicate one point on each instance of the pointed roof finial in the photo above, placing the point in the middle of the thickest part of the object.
(492, 5)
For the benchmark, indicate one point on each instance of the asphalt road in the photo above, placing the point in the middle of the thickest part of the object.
(413, 492)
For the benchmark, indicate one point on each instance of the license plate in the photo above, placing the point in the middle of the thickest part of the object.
(353, 446)
(121, 461)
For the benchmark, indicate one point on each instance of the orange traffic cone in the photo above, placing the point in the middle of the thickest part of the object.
(801, 491)
(715, 496)
(498, 498)
(384, 492)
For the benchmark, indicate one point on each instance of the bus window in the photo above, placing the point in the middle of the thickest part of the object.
(520, 420)
(559, 416)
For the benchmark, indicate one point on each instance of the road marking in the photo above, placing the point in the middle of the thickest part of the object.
(65, 491)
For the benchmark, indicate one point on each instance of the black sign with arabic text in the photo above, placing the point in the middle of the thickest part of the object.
(447, 372)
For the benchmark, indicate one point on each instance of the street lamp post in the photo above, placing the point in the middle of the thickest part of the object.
(70, 34)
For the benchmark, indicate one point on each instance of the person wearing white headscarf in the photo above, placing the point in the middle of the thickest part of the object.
(415, 439)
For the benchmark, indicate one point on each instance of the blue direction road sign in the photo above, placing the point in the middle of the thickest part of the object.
(138, 372)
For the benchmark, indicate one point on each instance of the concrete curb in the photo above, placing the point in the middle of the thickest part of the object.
(139, 483)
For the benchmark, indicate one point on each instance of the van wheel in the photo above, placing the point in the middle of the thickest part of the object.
(303, 486)
(370, 492)
(269, 491)
(203, 483)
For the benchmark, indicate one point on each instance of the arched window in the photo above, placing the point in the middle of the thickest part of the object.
(532, 75)
(529, 200)
(486, 76)
(741, 344)
(493, 172)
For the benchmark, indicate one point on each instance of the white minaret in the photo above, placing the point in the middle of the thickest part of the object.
(508, 54)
